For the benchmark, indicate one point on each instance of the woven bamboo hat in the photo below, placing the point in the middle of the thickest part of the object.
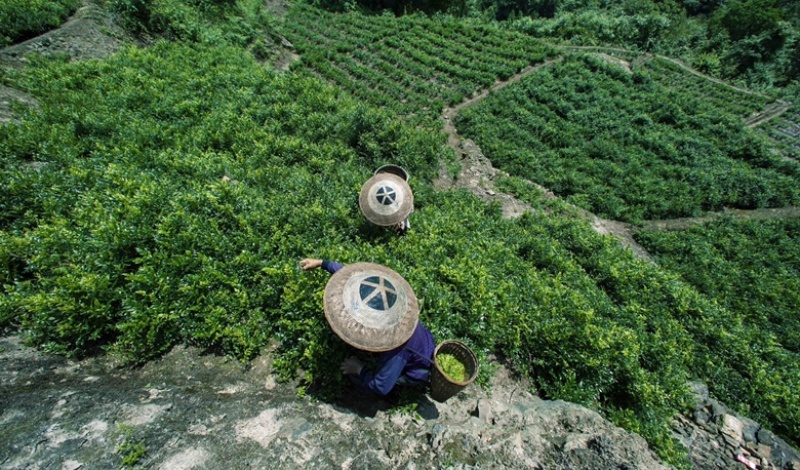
(371, 307)
(386, 199)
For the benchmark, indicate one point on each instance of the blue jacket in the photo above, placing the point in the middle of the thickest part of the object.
(413, 359)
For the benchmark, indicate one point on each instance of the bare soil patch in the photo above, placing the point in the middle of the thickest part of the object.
(770, 112)
(738, 214)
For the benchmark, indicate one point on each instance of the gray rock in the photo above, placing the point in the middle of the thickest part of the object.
(700, 390)
(721, 434)
(731, 427)
(701, 417)
(191, 410)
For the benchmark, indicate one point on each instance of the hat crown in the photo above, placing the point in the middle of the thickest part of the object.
(386, 195)
(378, 293)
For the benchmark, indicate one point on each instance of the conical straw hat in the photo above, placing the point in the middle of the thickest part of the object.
(386, 199)
(371, 307)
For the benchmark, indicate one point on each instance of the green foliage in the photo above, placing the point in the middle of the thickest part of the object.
(452, 367)
(136, 13)
(165, 195)
(640, 30)
(397, 7)
(784, 132)
(531, 195)
(23, 19)
(751, 40)
(751, 268)
(129, 449)
(414, 65)
(742, 19)
(131, 452)
(159, 246)
(175, 188)
(237, 22)
(630, 145)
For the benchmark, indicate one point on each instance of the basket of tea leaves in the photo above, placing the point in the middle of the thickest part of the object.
(455, 367)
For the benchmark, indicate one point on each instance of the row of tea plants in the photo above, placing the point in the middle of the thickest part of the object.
(413, 65)
(626, 147)
(751, 268)
(719, 95)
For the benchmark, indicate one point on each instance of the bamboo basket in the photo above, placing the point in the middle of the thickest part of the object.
(442, 386)
(395, 170)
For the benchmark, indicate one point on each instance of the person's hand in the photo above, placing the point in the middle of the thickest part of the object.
(310, 263)
(352, 366)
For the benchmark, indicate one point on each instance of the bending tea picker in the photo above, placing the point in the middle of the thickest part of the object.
(372, 308)
(386, 198)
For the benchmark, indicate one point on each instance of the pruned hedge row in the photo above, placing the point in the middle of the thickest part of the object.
(622, 145)
(146, 195)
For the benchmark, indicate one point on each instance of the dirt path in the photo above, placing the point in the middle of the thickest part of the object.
(477, 173)
(90, 33)
(689, 69)
(738, 214)
(771, 111)
(647, 55)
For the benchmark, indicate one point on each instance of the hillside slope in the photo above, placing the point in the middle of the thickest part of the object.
(222, 159)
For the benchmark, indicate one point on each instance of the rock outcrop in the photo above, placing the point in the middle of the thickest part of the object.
(195, 411)
(717, 438)
(190, 410)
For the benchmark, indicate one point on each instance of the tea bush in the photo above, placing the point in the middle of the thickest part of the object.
(146, 242)
(413, 65)
(622, 145)
(165, 196)
(24, 19)
(751, 268)
(240, 22)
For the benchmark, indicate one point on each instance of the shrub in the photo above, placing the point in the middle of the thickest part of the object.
(23, 19)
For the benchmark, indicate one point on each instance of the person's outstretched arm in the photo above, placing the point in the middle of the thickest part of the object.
(313, 263)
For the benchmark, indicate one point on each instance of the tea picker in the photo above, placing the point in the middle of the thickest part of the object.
(386, 198)
(372, 308)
